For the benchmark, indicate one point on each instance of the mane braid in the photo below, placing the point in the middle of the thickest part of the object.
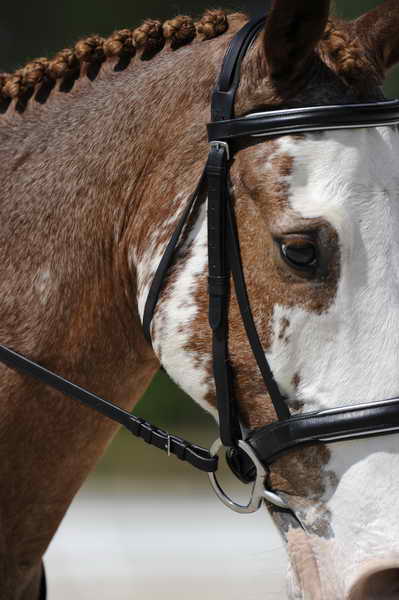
(343, 53)
(39, 76)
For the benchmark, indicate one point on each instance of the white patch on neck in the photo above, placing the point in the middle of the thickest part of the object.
(173, 331)
(171, 328)
(43, 284)
(148, 263)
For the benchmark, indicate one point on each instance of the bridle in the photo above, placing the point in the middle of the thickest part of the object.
(250, 453)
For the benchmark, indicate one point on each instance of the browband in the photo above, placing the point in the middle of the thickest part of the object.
(301, 120)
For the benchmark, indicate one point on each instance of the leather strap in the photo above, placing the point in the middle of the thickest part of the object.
(43, 585)
(220, 254)
(278, 400)
(167, 258)
(218, 288)
(336, 425)
(224, 94)
(297, 120)
(198, 457)
(223, 255)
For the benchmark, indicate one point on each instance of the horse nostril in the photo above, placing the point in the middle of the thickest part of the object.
(377, 585)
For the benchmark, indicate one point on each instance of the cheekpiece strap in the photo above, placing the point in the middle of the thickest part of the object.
(218, 290)
(224, 94)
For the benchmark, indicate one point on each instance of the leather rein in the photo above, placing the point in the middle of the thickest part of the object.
(249, 452)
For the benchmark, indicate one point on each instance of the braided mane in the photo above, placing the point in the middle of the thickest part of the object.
(39, 76)
(338, 48)
(343, 53)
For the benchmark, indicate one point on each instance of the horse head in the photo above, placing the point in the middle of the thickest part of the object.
(316, 216)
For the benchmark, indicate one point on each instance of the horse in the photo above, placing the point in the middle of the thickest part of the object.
(100, 148)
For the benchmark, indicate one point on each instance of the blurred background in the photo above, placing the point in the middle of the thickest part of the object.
(32, 29)
(144, 525)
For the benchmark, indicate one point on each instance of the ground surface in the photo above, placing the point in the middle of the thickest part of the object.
(160, 541)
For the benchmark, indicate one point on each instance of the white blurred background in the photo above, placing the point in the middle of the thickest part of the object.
(161, 534)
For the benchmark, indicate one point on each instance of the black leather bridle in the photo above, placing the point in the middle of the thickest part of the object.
(249, 452)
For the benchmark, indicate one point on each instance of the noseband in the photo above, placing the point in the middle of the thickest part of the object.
(250, 453)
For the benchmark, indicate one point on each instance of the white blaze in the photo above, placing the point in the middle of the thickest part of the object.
(350, 353)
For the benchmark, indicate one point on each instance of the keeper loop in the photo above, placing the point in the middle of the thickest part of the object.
(218, 285)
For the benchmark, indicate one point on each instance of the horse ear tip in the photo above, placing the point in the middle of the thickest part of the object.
(291, 33)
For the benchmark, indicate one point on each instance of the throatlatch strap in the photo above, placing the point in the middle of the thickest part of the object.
(167, 258)
(198, 457)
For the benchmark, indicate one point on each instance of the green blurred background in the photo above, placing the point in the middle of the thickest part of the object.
(40, 28)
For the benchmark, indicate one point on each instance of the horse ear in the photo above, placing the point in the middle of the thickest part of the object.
(379, 31)
(293, 29)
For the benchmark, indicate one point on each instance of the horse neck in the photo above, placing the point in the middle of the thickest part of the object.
(175, 144)
(93, 182)
(89, 183)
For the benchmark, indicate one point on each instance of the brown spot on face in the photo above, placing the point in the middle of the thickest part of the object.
(304, 478)
(283, 328)
(296, 405)
(296, 380)
(302, 473)
(321, 524)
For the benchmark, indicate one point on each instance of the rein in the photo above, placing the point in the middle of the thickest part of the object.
(249, 452)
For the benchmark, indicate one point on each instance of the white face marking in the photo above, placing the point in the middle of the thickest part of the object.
(350, 353)
(345, 355)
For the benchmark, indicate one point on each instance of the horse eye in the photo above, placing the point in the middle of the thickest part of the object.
(300, 254)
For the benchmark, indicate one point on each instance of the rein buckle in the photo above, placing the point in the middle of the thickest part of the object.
(219, 145)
